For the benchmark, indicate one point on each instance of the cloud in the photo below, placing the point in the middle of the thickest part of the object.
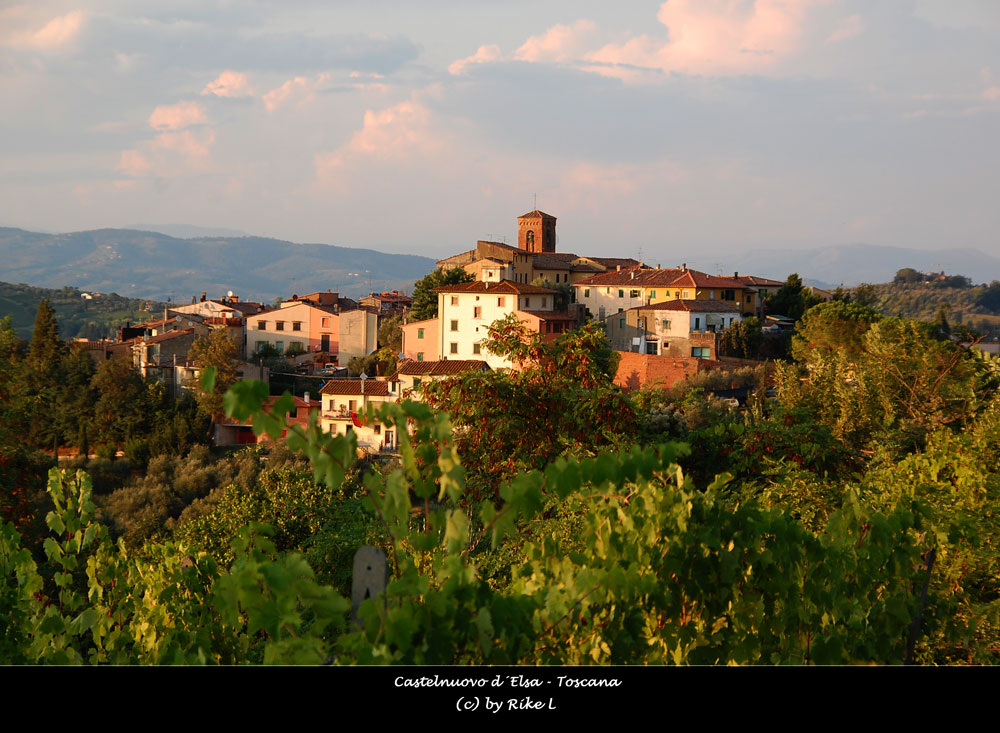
(301, 87)
(483, 55)
(229, 84)
(169, 154)
(849, 27)
(177, 116)
(560, 43)
(57, 33)
(991, 94)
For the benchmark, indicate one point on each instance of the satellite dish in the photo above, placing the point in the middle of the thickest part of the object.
(229, 293)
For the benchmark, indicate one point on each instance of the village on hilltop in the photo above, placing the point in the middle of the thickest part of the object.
(665, 322)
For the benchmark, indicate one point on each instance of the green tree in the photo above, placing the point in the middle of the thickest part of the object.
(742, 339)
(908, 275)
(425, 300)
(390, 335)
(832, 327)
(791, 300)
(219, 352)
(122, 408)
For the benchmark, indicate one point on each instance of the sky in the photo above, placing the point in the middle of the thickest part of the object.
(650, 129)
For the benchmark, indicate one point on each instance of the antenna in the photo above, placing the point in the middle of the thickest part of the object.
(536, 202)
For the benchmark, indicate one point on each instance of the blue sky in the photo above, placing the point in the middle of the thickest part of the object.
(667, 128)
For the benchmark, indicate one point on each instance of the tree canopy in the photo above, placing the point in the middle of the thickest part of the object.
(425, 300)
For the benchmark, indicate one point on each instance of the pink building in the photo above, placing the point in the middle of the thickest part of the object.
(296, 325)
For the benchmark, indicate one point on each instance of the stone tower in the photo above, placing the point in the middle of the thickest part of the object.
(536, 232)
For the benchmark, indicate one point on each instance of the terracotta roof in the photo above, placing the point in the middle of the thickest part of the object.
(536, 214)
(647, 277)
(703, 280)
(168, 335)
(503, 287)
(695, 306)
(754, 280)
(444, 367)
(553, 261)
(373, 388)
(612, 262)
(633, 276)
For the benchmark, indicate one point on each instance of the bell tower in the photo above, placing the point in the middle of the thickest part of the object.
(536, 232)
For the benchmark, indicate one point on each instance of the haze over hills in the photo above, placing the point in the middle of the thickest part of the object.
(157, 266)
(853, 264)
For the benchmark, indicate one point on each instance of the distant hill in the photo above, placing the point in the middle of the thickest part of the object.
(853, 264)
(95, 318)
(151, 265)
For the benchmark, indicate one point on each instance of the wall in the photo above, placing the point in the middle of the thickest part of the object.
(643, 371)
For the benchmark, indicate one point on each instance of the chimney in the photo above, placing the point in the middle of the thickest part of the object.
(204, 296)
(305, 396)
(619, 268)
(736, 274)
(632, 275)
(684, 266)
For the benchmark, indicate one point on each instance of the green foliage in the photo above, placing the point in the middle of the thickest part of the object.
(219, 352)
(425, 300)
(832, 327)
(791, 300)
(742, 339)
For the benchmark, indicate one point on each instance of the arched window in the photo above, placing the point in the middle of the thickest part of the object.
(529, 239)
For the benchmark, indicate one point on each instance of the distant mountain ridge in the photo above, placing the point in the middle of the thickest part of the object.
(853, 264)
(152, 265)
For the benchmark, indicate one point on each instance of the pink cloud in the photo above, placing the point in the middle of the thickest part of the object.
(228, 84)
(483, 55)
(133, 163)
(169, 154)
(300, 87)
(703, 37)
(560, 43)
(177, 116)
(55, 34)
(991, 94)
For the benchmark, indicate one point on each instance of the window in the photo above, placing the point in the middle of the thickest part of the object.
(652, 294)
(454, 300)
(454, 325)
(677, 294)
(701, 352)
(416, 382)
(477, 312)
(420, 356)
(687, 294)
(378, 430)
(586, 292)
(729, 295)
(296, 325)
(279, 325)
(420, 333)
(544, 301)
(295, 346)
(280, 346)
(666, 325)
(633, 293)
(476, 348)
(711, 295)
(527, 302)
(261, 325)
(454, 347)
(621, 323)
(621, 293)
(261, 345)
(501, 302)
(352, 405)
(324, 322)
(697, 323)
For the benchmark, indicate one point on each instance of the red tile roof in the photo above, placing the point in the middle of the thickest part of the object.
(536, 214)
(695, 306)
(443, 367)
(372, 387)
(647, 277)
(550, 315)
(502, 287)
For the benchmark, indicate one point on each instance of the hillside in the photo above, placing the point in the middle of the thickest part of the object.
(150, 265)
(77, 316)
(968, 306)
(850, 265)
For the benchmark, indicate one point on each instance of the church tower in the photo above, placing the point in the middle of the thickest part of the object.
(536, 232)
